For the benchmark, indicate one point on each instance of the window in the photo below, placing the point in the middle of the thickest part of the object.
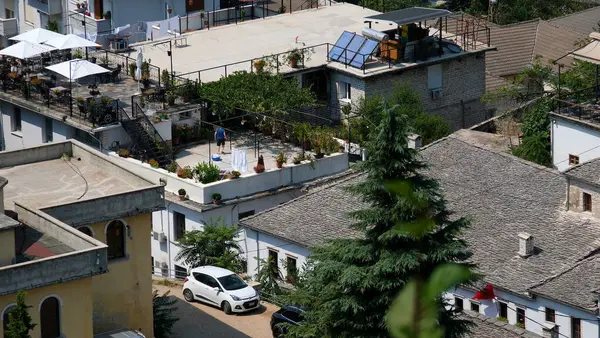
(292, 315)
(503, 310)
(98, 9)
(291, 271)
(573, 159)
(434, 76)
(152, 265)
(16, 120)
(521, 317)
(48, 129)
(344, 90)
(587, 202)
(5, 318)
(9, 14)
(550, 314)
(194, 5)
(458, 304)
(273, 259)
(474, 306)
(178, 224)
(245, 214)
(180, 272)
(206, 280)
(30, 14)
(575, 328)
(115, 239)
(50, 318)
(86, 230)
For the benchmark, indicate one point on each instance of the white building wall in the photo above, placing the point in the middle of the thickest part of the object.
(571, 137)
(535, 318)
(162, 221)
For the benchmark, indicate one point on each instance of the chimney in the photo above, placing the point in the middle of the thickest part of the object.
(525, 244)
(414, 141)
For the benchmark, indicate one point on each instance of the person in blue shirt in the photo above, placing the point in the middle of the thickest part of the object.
(220, 136)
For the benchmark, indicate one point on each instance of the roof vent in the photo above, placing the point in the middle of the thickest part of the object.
(525, 244)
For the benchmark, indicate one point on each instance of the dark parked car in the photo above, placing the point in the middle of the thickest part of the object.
(288, 314)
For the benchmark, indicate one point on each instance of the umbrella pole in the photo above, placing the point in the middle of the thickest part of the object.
(70, 91)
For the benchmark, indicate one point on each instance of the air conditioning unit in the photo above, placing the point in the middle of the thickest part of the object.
(436, 94)
(157, 264)
(162, 237)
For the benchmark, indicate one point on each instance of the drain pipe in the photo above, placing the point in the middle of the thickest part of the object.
(568, 189)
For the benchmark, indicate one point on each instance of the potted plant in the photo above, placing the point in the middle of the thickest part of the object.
(124, 153)
(170, 94)
(164, 116)
(216, 197)
(153, 163)
(78, 54)
(181, 193)
(293, 57)
(235, 174)
(298, 159)
(107, 15)
(94, 89)
(281, 159)
(185, 172)
(132, 69)
(81, 104)
(156, 119)
(259, 65)
(260, 165)
(173, 167)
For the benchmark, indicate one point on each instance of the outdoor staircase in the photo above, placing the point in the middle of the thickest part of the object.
(147, 142)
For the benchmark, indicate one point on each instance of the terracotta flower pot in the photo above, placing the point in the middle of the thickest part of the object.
(181, 197)
(279, 164)
(217, 202)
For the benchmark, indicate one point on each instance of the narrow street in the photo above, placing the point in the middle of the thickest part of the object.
(201, 320)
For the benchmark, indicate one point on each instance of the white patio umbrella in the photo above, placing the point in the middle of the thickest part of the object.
(24, 50)
(76, 69)
(138, 62)
(37, 35)
(70, 41)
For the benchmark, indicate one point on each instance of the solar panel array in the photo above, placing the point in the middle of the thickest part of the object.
(352, 49)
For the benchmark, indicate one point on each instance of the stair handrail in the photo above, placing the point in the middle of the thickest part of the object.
(138, 113)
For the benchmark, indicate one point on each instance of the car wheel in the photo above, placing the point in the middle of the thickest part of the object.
(188, 295)
(226, 307)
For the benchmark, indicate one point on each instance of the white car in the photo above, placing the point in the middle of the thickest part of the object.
(220, 287)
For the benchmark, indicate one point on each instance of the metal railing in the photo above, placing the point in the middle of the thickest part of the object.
(139, 115)
(105, 57)
(582, 104)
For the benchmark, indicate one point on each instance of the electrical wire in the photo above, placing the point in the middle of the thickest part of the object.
(78, 172)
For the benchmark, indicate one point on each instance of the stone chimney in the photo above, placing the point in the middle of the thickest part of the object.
(414, 141)
(526, 244)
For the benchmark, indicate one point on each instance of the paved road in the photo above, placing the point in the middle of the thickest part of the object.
(200, 320)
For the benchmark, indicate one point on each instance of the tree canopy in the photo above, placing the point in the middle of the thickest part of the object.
(163, 308)
(19, 320)
(353, 281)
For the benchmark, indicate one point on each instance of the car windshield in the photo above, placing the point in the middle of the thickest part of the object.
(232, 282)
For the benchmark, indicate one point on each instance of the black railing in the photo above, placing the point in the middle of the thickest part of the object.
(141, 117)
(108, 58)
(581, 104)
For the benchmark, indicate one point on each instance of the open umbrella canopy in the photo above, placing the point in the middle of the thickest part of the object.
(70, 41)
(24, 50)
(77, 68)
(37, 35)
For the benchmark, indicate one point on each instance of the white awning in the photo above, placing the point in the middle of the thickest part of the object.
(77, 68)
(70, 41)
(591, 52)
(37, 35)
(24, 50)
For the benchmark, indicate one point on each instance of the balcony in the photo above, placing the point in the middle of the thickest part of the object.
(91, 25)
(8, 27)
(49, 7)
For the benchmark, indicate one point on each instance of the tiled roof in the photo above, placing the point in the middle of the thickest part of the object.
(494, 83)
(501, 194)
(313, 218)
(514, 45)
(583, 22)
(487, 327)
(577, 285)
(553, 42)
(588, 171)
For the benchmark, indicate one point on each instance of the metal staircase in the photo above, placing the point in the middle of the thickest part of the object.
(147, 142)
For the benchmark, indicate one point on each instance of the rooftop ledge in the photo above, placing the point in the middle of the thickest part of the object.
(246, 185)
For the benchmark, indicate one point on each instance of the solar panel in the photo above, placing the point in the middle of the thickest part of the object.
(367, 49)
(341, 44)
(352, 49)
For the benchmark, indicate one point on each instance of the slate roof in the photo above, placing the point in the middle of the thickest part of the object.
(514, 45)
(583, 22)
(7, 222)
(313, 218)
(501, 194)
(576, 285)
(487, 327)
(587, 172)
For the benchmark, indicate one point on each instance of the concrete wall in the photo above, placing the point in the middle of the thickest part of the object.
(246, 185)
(75, 298)
(164, 129)
(573, 137)
(257, 245)
(32, 128)
(7, 246)
(534, 312)
(123, 296)
(34, 154)
(162, 222)
(576, 190)
(112, 134)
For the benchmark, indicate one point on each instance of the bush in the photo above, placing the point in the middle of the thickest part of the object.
(206, 172)
(173, 167)
(185, 172)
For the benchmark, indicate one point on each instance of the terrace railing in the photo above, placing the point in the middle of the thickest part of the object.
(582, 104)
(105, 57)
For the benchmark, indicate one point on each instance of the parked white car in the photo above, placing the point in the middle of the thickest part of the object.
(220, 287)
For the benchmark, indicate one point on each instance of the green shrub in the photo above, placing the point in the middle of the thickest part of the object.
(206, 172)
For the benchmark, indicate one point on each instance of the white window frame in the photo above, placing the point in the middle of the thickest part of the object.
(344, 91)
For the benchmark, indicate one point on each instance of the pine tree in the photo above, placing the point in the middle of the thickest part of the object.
(19, 320)
(354, 281)
(163, 308)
